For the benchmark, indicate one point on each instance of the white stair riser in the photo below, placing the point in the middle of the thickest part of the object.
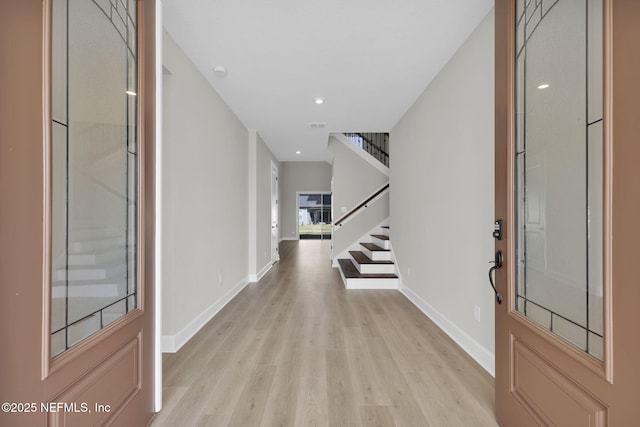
(96, 245)
(384, 244)
(114, 257)
(372, 283)
(376, 255)
(93, 233)
(103, 290)
(385, 232)
(82, 259)
(84, 274)
(375, 268)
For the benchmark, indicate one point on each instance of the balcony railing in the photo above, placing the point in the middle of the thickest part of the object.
(376, 144)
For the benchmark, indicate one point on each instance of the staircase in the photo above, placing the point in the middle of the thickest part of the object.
(95, 277)
(372, 266)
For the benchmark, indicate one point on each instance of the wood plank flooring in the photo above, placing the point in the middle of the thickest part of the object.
(297, 349)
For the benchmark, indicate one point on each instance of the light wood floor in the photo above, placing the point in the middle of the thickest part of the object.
(297, 349)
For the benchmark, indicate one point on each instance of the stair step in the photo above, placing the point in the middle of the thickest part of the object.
(376, 252)
(373, 247)
(77, 273)
(385, 226)
(97, 290)
(366, 265)
(114, 255)
(362, 258)
(380, 236)
(351, 272)
(381, 240)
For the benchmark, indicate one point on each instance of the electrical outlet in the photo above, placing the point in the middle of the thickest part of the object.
(476, 313)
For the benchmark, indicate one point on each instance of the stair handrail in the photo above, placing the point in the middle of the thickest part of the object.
(362, 205)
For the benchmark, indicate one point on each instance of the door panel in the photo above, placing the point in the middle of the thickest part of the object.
(106, 377)
(556, 365)
(549, 396)
(93, 168)
(558, 272)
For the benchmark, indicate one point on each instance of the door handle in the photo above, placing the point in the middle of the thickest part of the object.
(497, 263)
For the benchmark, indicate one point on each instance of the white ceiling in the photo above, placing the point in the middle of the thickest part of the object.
(369, 59)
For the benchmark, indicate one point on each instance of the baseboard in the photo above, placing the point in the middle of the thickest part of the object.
(288, 238)
(173, 343)
(480, 354)
(253, 278)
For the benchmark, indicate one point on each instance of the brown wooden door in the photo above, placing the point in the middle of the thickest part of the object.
(572, 221)
(106, 376)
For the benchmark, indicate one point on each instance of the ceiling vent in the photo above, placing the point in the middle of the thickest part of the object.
(317, 125)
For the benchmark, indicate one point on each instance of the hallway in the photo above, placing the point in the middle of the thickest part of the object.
(297, 349)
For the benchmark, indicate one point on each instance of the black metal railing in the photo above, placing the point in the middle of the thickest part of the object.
(376, 144)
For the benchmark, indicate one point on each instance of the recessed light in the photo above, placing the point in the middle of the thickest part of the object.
(298, 152)
(131, 93)
(319, 101)
(543, 86)
(219, 71)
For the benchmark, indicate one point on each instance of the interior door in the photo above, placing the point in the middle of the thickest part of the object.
(275, 255)
(76, 218)
(567, 190)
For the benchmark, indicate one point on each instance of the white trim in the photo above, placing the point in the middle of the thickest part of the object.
(157, 303)
(360, 152)
(253, 278)
(480, 354)
(371, 284)
(288, 238)
(173, 343)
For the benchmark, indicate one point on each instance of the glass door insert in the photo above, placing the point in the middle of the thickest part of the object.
(314, 215)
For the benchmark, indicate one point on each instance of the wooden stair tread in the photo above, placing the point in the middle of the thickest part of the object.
(361, 258)
(373, 247)
(380, 236)
(351, 272)
(385, 226)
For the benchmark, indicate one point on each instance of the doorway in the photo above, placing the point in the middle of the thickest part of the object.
(314, 215)
(567, 195)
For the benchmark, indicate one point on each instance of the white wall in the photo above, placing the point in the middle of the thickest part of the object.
(205, 205)
(260, 158)
(354, 180)
(299, 176)
(442, 195)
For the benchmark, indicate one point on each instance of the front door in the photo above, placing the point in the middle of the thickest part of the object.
(567, 190)
(76, 216)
